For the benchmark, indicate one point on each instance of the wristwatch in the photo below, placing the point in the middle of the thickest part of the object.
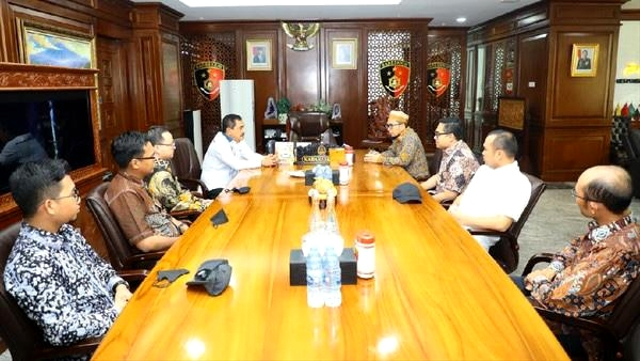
(121, 282)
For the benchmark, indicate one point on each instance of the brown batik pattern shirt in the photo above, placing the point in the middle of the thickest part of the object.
(408, 152)
(457, 166)
(138, 215)
(593, 271)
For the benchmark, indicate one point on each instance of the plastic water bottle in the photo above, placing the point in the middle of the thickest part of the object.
(332, 278)
(315, 276)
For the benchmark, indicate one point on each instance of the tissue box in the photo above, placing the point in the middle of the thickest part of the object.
(309, 177)
(298, 268)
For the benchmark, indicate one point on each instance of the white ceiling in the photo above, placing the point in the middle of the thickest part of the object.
(443, 12)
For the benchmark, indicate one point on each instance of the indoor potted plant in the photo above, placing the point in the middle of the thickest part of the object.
(283, 107)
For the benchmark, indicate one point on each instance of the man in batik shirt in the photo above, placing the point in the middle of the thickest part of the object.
(406, 150)
(593, 271)
(162, 184)
(53, 274)
(458, 162)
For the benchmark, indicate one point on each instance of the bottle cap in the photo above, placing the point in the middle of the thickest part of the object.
(365, 237)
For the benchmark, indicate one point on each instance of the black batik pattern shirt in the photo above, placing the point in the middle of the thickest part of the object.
(62, 284)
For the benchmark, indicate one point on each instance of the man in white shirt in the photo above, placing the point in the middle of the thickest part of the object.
(228, 154)
(498, 193)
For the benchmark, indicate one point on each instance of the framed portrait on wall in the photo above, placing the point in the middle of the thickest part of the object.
(47, 45)
(584, 60)
(344, 53)
(259, 55)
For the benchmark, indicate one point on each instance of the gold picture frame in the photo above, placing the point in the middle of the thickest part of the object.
(48, 45)
(344, 53)
(584, 60)
(259, 55)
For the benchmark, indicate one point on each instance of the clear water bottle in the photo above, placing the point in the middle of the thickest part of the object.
(332, 278)
(315, 277)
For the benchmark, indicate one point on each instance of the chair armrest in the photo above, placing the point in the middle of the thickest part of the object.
(193, 184)
(134, 275)
(583, 323)
(187, 215)
(535, 259)
(142, 257)
(87, 346)
(490, 233)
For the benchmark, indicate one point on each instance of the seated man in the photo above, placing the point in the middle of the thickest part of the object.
(587, 277)
(406, 150)
(228, 153)
(458, 162)
(497, 194)
(53, 274)
(144, 222)
(162, 184)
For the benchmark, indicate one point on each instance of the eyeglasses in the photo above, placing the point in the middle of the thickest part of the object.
(391, 125)
(146, 158)
(168, 144)
(75, 194)
(575, 195)
(437, 133)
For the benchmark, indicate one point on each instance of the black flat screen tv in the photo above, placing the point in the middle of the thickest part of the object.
(36, 124)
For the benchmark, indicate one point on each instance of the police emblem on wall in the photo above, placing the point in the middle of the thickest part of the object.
(438, 78)
(394, 75)
(207, 76)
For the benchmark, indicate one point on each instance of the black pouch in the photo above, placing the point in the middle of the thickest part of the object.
(214, 275)
(219, 218)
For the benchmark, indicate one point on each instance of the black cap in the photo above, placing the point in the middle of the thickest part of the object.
(214, 275)
(407, 193)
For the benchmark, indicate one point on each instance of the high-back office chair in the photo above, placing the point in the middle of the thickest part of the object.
(310, 127)
(122, 255)
(186, 165)
(613, 331)
(19, 332)
(506, 250)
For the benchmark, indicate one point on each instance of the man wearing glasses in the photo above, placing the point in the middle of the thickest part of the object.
(162, 184)
(497, 194)
(406, 149)
(586, 278)
(458, 162)
(143, 221)
(57, 279)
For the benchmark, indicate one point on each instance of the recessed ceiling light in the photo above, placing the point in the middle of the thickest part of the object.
(237, 3)
(461, 20)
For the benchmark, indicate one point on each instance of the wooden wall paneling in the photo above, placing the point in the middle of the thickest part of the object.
(8, 40)
(265, 82)
(582, 101)
(302, 69)
(347, 86)
(569, 151)
(171, 84)
(532, 74)
(146, 80)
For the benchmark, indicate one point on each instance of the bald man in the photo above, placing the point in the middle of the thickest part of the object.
(406, 149)
(593, 271)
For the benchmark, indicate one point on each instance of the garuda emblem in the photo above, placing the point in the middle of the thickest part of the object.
(394, 75)
(207, 76)
(300, 32)
(438, 78)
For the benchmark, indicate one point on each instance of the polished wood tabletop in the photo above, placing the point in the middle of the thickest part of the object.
(436, 295)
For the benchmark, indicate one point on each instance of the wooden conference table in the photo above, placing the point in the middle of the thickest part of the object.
(436, 294)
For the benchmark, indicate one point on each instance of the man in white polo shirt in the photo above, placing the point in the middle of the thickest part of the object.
(498, 192)
(228, 154)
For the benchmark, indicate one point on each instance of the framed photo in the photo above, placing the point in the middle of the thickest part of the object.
(45, 45)
(344, 53)
(584, 60)
(511, 112)
(259, 55)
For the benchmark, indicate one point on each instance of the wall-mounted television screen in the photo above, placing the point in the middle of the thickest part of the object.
(36, 124)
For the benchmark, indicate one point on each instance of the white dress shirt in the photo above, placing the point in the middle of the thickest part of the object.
(503, 191)
(224, 158)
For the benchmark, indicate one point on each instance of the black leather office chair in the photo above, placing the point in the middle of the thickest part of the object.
(186, 166)
(310, 127)
(122, 255)
(506, 250)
